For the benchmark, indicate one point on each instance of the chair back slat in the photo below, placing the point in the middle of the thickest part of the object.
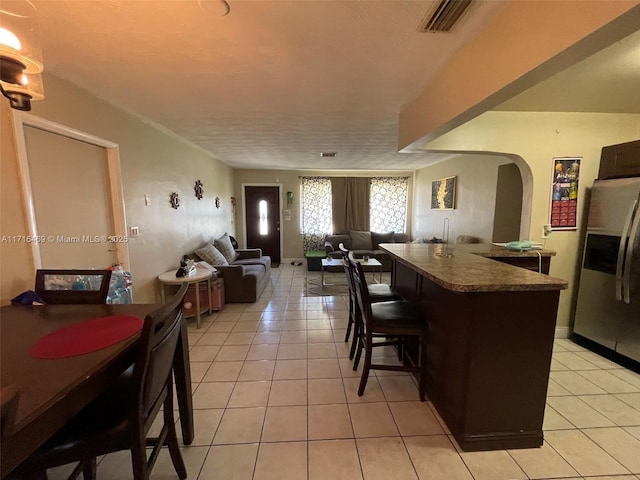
(362, 292)
(348, 270)
(72, 286)
(158, 346)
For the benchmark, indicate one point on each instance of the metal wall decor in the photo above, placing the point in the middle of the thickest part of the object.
(217, 202)
(175, 200)
(198, 189)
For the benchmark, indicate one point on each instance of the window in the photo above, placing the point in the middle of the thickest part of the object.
(263, 222)
(388, 198)
(315, 211)
(388, 204)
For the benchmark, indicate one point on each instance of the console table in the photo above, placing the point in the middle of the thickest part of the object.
(200, 275)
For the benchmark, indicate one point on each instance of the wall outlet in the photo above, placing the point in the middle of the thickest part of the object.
(134, 231)
(147, 200)
(546, 231)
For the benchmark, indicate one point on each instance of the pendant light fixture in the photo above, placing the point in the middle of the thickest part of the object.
(20, 54)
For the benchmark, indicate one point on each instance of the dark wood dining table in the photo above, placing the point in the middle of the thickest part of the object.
(53, 391)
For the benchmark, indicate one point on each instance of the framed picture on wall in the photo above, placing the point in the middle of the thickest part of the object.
(564, 193)
(443, 194)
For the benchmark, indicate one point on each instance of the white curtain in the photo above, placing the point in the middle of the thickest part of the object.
(388, 204)
(315, 211)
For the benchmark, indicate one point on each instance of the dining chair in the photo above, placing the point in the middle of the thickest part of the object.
(71, 286)
(9, 397)
(120, 418)
(378, 292)
(392, 323)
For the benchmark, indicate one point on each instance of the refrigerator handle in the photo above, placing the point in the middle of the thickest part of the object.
(626, 276)
(621, 251)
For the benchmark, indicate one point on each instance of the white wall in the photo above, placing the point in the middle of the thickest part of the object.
(537, 137)
(475, 198)
(153, 162)
(290, 180)
(524, 43)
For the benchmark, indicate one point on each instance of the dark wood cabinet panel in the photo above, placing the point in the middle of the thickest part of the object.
(489, 359)
(618, 161)
(540, 265)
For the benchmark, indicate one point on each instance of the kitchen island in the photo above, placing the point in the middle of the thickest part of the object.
(492, 326)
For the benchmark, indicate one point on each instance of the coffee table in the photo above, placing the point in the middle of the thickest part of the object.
(375, 264)
(335, 262)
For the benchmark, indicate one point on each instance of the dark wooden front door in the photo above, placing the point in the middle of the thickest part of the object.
(262, 221)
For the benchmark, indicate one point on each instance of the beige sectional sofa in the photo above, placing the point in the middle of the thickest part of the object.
(246, 272)
(246, 277)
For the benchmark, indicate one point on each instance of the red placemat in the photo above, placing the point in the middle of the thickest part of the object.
(86, 336)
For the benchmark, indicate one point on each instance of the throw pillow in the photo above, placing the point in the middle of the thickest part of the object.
(360, 240)
(211, 255)
(378, 238)
(226, 248)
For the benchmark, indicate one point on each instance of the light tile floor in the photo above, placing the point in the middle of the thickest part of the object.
(275, 398)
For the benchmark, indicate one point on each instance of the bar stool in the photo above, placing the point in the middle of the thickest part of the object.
(378, 292)
(395, 319)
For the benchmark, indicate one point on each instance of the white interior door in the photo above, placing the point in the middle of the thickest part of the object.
(70, 188)
(72, 191)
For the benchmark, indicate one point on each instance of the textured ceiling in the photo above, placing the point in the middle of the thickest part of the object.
(272, 84)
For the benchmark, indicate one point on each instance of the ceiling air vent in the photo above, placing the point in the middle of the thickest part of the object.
(444, 15)
(328, 154)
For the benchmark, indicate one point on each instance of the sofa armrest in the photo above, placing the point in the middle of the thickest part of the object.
(249, 253)
(328, 248)
(231, 273)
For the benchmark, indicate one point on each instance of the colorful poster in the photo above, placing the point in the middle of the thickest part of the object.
(564, 193)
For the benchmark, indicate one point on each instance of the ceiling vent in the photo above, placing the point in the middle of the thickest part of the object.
(444, 15)
(328, 154)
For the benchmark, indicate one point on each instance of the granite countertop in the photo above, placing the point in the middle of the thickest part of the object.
(470, 268)
(494, 251)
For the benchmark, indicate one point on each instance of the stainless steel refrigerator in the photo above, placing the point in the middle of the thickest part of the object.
(608, 309)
